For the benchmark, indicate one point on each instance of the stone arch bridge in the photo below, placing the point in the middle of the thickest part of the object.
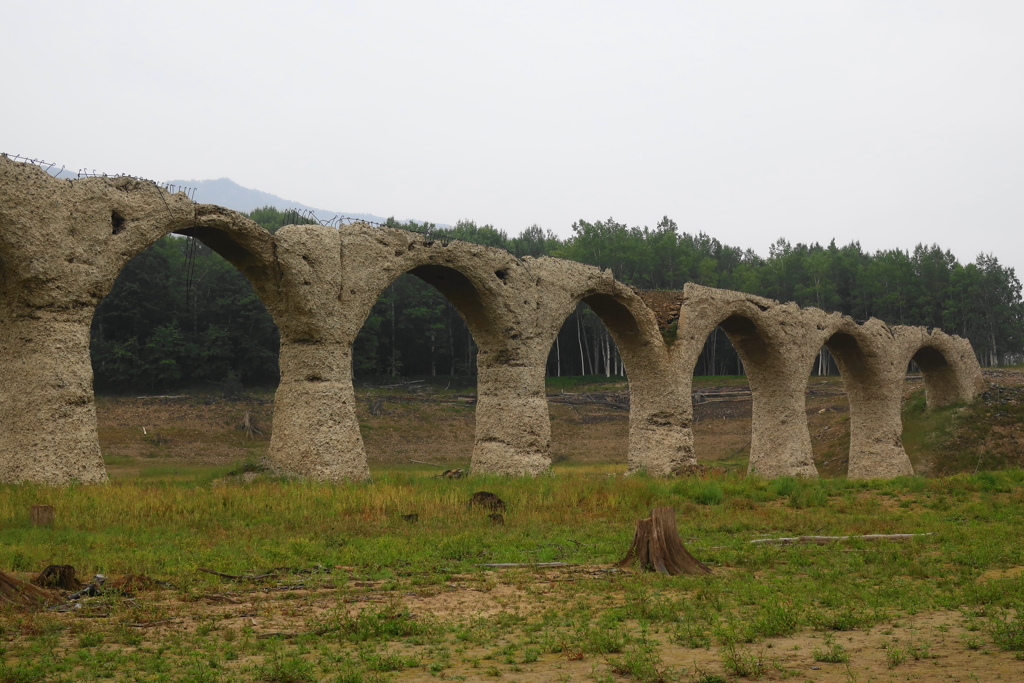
(63, 243)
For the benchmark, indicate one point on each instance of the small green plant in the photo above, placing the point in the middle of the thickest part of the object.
(21, 673)
(894, 656)
(1008, 632)
(706, 677)
(602, 641)
(91, 639)
(692, 635)
(831, 652)
(285, 670)
(642, 663)
(775, 618)
(845, 618)
(386, 661)
(920, 650)
(708, 493)
(742, 663)
(972, 642)
(389, 621)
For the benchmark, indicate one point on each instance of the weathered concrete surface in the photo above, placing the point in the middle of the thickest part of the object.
(778, 344)
(873, 378)
(660, 435)
(770, 340)
(61, 246)
(63, 243)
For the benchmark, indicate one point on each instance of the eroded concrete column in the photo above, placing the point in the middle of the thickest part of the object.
(513, 427)
(316, 431)
(660, 416)
(62, 245)
(46, 403)
(876, 432)
(780, 443)
(770, 339)
(873, 377)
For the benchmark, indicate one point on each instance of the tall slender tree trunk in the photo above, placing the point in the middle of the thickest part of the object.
(433, 357)
(394, 351)
(558, 355)
(714, 352)
(607, 354)
(579, 338)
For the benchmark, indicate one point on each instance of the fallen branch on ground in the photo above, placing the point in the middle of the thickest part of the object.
(246, 577)
(20, 593)
(825, 540)
(506, 565)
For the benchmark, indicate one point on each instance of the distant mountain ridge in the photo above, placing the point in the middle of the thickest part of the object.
(229, 194)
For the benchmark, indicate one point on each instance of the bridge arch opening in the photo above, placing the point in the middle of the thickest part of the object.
(941, 384)
(416, 363)
(589, 407)
(181, 315)
(832, 436)
(723, 410)
(421, 332)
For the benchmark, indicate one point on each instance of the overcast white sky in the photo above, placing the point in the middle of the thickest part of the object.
(890, 122)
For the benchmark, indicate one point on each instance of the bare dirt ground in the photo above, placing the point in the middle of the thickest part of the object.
(137, 433)
(928, 647)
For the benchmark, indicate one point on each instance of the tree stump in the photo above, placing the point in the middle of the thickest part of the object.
(58, 576)
(657, 546)
(42, 515)
(488, 501)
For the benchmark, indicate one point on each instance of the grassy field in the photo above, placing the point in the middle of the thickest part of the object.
(341, 583)
(355, 592)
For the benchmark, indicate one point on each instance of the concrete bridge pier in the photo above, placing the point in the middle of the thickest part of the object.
(780, 442)
(876, 432)
(316, 431)
(660, 415)
(46, 402)
(513, 427)
(872, 373)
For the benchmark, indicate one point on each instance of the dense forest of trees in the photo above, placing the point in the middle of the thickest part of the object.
(180, 315)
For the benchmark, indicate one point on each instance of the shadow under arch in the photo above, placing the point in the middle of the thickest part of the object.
(942, 385)
(465, 297)
(240, 241)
